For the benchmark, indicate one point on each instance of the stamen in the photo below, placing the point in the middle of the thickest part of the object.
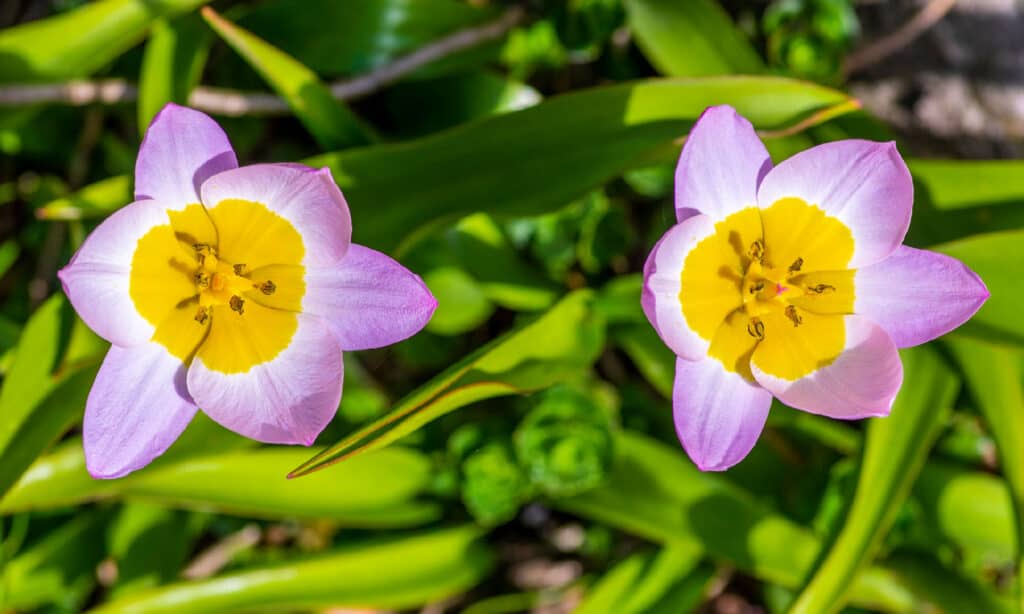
(797, 264)
(756, 251)
(794, 316)
(268, 287)
(239, 269)
(756, 328)
(202, 315)
(821, 288)
(757, 287)
(202, 279)
(237, 304)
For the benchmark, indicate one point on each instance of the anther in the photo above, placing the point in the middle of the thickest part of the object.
(239, 269)
(794, 316)
(755, 328)
(237, 304)
(268, 287)
(756, 251)
(202, 279)
(821, 288)
(202, 315)
(757, 287)
(797, 265)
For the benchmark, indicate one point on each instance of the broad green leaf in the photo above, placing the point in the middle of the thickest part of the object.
(330, 122)
(92, 201)
(895, 449)
(379, 490)
(998, 259)
(49, 419)
(957, 198)
(637, 583)
(420, 569)
(541, 158)
(172, 64)
(561, 343)
(691, 38)
(461, 302)
(30, 377)
(150, 545)
(995, 377)
(81, 41)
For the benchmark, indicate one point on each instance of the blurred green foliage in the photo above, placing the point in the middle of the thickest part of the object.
(520, 451)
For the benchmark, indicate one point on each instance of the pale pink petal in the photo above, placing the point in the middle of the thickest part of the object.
(308, 198)
(182, 149)
(288, 399)
(860, 383)
(137, 408)
(721, 165)
(917, 295)
(368, 300)
(97, 278)
(718, 414)
(866, 185)
(662, 281)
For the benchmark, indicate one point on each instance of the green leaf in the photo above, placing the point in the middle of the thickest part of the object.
(995, 377)
(330, 122)
(895, 449)
(82, 41)
(691, 38)
(172, 65)
(92, 201)
(561, 343)
(539, 159)
(637, 583)
(997, 259)
(150, 545)
(420, 568)
(379, 490)
(9, 251)
(461, 303)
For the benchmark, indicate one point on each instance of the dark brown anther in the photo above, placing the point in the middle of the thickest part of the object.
(202, 279)
(237, 304)
(756, 251)
(268, 287)
(821, 288)
(793, 316)
(757, 287)
(755, 328)
(239, 269)
(202, 315)
(796, 266)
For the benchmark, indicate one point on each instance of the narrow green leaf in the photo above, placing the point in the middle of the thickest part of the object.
(637, 583)
(997, 258)
(561, 343)
(171, 65)
(995, 377)
(330, 122)
(691, 38)
(421, 569)
(81, 41)
(92, 201)
(895, 450)
(9, 252)
(380, 490)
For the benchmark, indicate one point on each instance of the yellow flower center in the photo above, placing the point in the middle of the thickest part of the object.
(223, 284)
(772, 280)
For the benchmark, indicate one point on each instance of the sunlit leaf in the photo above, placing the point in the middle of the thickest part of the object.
(636, 584)
(172, 64)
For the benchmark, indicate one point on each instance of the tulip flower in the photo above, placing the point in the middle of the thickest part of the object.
(791, 282)
(231, 289)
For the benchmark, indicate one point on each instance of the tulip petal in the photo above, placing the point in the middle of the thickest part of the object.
(137, 408)
(368, 300)
(863, 184)
(182, 149)
(662, 284)
(97, 279)
(307, 198)
(917, 295)
(721, 165)
(861, 382)
(288, 399)
(718, 414)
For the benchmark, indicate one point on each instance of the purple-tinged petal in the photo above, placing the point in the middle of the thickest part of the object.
(662, 283)
(368, 300)
(308, 198)
(96, 281)
(718, 414)
(182, 149)
(288, 399)
(917, 295)
(860, 383)
(137, 408)
(721, 165)
(865, 185)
